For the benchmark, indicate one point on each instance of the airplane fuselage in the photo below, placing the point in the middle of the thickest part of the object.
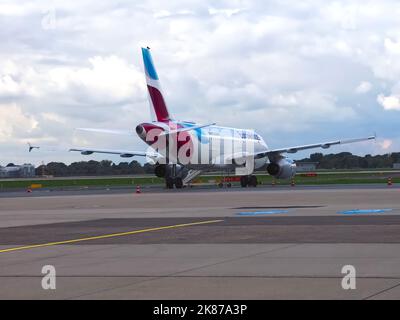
(202, 147)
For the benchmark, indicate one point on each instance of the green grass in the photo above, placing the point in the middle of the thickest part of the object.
(348, 178)
(80, 182)
(331, 178)
(336, 178)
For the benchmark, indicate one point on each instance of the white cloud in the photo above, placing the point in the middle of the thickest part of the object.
(392, 47)
(385, 144)
(162, 14)
(364, 87)
(8, 86)
(107, 80)
(296, 72)
(16, 10)
(49, 116)
(228, 12)
(389, 102)
(14, 123)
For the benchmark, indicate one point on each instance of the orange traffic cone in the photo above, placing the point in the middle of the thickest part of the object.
(138, 189)
(389, 182)
(292, 183)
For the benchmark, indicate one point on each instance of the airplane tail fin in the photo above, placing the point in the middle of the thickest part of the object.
(158, 107)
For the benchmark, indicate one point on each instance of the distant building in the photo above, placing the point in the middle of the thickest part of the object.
(13, 171)
(306, 166)
(396, 165)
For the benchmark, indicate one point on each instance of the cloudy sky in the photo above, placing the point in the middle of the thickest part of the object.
(296, 72)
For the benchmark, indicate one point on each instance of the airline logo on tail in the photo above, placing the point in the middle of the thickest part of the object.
(159, 110)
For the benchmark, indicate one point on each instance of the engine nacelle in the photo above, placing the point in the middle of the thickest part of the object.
(146, 133)
(282, 169)
(160, 170)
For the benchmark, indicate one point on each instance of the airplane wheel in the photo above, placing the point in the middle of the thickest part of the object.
(169, 182)
(253, 181)
(178, 183)
(244, 180)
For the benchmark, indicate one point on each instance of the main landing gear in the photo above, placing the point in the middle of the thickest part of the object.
(170, 182)
(248, 181)
(172, 179)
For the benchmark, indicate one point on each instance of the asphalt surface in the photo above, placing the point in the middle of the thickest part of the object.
(195, 244)
(71, 191)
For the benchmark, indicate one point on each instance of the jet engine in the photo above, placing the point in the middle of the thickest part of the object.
(160, 170)
(282, 169)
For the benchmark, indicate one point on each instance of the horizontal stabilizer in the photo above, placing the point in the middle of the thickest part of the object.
(110, 131)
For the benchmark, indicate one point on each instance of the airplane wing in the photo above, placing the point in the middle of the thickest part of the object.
(272, 153)
(121, 153)
(88, 151)
(323, 145)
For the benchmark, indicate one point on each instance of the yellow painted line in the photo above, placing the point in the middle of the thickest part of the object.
(108, 236)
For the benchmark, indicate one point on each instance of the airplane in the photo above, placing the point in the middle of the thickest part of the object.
(198, 147)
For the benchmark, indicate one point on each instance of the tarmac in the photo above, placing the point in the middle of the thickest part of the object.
(257, 243)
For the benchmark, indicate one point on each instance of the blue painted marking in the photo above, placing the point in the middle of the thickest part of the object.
(198, 131)
(200, 136)
(365, 211)
(149, 65)
(255, 213)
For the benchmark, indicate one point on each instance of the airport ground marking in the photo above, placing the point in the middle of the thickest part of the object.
(112, 235)
(256, 213)
(364, 211)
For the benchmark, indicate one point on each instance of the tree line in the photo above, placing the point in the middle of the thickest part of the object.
(343, 160)
(93, 168)
(347, 160)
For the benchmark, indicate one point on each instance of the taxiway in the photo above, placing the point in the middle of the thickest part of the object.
(279, 243)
